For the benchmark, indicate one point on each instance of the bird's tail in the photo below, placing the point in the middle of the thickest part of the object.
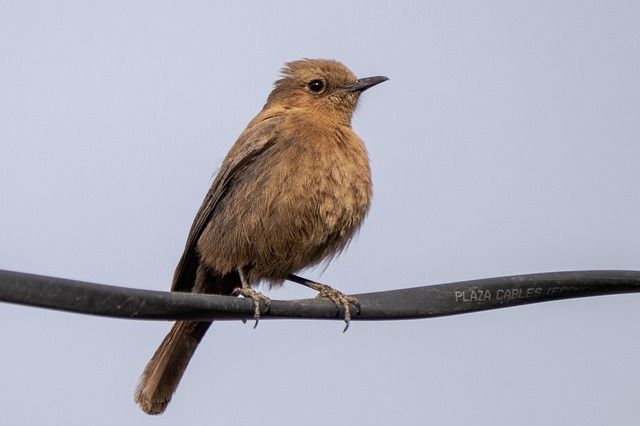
(165, 369)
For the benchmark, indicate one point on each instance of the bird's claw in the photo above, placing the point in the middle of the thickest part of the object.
(256, 296)
(341, 300)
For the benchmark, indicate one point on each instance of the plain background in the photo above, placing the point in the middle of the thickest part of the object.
(506, 142)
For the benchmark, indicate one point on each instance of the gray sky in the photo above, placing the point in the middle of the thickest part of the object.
(506, 142)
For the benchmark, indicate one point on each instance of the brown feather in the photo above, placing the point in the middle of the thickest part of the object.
(290, 194)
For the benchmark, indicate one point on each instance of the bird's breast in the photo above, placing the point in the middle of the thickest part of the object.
(295, 205)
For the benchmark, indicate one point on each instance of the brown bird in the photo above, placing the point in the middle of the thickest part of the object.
(290, 194)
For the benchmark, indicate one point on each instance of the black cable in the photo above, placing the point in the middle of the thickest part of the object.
(418, 302)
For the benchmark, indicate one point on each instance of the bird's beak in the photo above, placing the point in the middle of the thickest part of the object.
(363, 84)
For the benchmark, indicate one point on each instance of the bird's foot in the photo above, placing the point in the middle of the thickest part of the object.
(257, 297)
(339, 298)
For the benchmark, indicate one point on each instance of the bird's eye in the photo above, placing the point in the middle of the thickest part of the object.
(316, 86)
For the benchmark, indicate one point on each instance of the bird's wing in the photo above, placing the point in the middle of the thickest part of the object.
(252, 143)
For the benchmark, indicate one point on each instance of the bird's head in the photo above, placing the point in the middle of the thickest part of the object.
(323, 85)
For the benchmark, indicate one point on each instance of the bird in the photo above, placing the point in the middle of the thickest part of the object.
(291, 193)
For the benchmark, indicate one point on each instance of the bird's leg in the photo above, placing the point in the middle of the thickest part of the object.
(337, 297)
(247, 291)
